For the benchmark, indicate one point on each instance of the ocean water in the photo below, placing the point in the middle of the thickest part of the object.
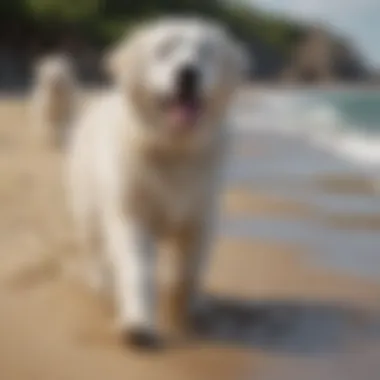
(344, 122)
(294, 137)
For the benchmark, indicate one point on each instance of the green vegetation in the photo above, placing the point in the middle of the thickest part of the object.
(103, 21)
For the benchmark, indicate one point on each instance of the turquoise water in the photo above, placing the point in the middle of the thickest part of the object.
(346, 122)
(359, 109)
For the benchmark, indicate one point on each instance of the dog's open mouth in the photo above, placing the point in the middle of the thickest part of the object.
(182, 112)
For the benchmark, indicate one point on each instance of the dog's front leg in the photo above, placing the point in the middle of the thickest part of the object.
(131, 253)
(192, 248)
(193, 245)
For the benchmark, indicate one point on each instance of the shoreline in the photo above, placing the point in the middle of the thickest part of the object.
(246, 87)
(337, 86)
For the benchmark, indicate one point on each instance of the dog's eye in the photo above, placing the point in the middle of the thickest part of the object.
(165, 49)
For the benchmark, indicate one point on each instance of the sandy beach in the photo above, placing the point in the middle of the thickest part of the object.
(293, 283)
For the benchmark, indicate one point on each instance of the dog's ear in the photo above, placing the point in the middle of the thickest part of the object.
(121, 61)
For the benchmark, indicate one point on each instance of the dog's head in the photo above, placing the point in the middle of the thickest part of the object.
(179, 72)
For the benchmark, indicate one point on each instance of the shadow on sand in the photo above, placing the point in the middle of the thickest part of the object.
(288, 326)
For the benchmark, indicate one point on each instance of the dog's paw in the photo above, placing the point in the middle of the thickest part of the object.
(142, 339)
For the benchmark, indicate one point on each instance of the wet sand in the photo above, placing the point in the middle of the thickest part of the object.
(292, 295)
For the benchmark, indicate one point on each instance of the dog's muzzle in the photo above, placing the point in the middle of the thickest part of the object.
(184, 106)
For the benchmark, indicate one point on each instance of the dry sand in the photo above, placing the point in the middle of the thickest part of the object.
(50, 328)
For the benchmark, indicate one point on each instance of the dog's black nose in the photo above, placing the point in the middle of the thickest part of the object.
(188, 80)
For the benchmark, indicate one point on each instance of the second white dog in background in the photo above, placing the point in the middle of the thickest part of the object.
(145, 162)
(54, 98)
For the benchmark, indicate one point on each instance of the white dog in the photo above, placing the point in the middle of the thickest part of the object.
(145, 161)
(53, 98)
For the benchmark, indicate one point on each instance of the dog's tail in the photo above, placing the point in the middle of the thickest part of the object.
(54, 100)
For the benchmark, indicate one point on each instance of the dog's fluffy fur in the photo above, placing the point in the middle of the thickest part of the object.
(137, 175)
(54, 98)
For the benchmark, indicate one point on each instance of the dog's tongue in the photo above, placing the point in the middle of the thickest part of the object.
(183, 115)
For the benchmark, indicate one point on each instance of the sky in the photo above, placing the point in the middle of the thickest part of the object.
(359, 20)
